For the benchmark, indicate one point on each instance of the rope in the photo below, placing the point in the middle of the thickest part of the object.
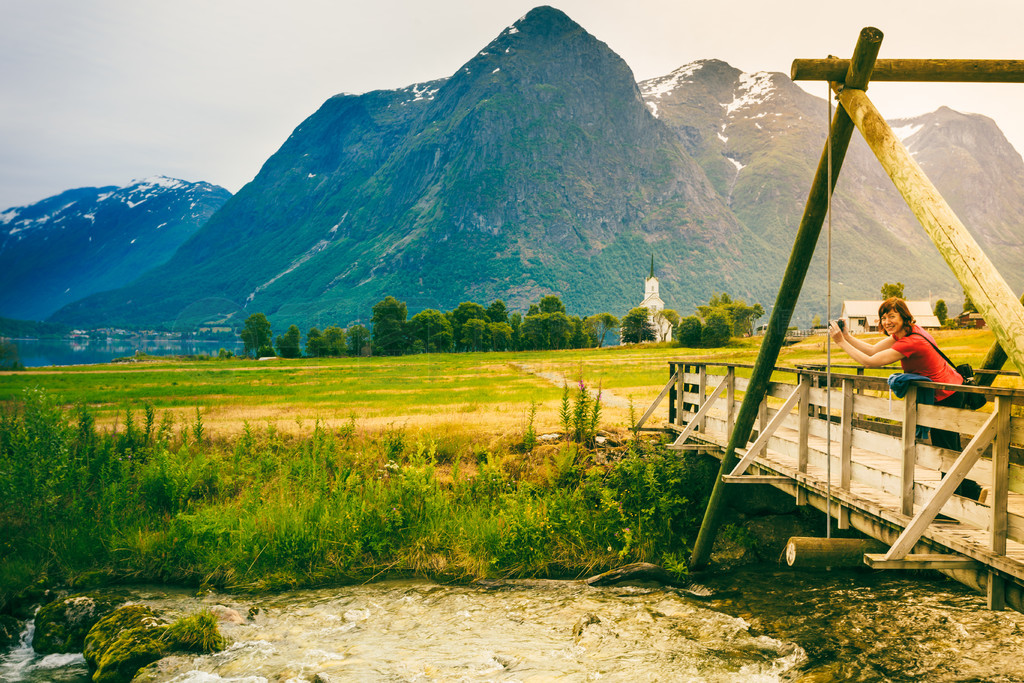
(828, 314)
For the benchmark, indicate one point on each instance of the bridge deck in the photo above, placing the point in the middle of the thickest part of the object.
(880, 482)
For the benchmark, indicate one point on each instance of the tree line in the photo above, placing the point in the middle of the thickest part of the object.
(470, 326)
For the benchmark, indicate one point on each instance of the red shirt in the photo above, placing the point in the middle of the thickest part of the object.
(921, 359)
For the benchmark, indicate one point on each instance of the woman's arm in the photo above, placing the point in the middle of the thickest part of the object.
(869, 355)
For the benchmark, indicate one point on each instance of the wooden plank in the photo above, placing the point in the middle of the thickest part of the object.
(920, 561)
(989, 292)
(916, 70)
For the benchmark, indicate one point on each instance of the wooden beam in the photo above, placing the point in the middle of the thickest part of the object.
(701, 412)
(957, 473)
(657, 401)
(920, 561)
(995, 359)
(986, 287)
(754, 479)
(766, 433)
(920, 70)
(840, 132)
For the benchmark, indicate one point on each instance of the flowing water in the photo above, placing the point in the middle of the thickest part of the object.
(759, 625)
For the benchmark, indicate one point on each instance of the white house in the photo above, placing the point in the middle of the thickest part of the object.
(862, 316)
(654, 305)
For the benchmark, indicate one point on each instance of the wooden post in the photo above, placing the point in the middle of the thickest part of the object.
(920, 70)
(996, 586)
(673, 393)
(803, 432)
(979, 278)
(730, 401)
(702, 390)
(909, 452)
(806, 240)
(684, 407)
(846, 448)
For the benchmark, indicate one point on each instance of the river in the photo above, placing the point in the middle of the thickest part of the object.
(34, 353)
(759, 624)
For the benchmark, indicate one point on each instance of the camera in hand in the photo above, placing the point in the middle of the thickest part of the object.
(841, 324)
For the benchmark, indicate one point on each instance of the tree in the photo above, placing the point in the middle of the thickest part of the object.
(497, 312)
(389, 317)
(689, 331)
(431, 328)
(334, 341)
(636, 326)
(969, 306)
(551, 304)
(289, 344)
(741, 315)
(601, 324)
(315, 343)
(890, 290)
(717, 329)
(473, 334)
(582, 336)
(358, 340)
(816, 321)
(500, 335)
(546, 331)
(467, 310)
(940, 311)
(256, 335)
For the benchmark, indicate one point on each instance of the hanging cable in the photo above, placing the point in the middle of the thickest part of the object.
(828, 317)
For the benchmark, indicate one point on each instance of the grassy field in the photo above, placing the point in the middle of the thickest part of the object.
(483, 394)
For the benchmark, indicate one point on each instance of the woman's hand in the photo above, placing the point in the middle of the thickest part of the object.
(835, 332)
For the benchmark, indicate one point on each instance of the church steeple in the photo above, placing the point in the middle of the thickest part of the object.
(652, 265)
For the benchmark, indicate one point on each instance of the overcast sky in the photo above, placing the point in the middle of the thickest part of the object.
(100, 92)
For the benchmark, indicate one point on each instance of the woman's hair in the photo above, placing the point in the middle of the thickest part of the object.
(894, 303)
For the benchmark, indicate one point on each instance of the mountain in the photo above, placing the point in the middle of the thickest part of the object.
(759, 136)
(542, 167)
(91, 239)
(534, 169)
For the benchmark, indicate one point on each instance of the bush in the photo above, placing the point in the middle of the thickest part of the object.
(689, 331)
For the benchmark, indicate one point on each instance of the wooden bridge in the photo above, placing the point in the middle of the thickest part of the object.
(851, 449)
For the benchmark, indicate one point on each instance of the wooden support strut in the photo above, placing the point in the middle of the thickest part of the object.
(840, 132)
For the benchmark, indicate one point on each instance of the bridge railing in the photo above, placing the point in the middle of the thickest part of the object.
(858, 414)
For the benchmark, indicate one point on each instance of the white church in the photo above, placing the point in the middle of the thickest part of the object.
(654, 305)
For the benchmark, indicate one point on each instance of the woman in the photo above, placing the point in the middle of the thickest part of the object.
(909, 344)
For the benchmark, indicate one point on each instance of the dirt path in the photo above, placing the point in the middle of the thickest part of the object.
(559, 379)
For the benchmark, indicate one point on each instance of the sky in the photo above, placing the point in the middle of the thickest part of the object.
(101, 92)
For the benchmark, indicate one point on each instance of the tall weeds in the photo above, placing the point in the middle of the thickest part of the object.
(157, 502)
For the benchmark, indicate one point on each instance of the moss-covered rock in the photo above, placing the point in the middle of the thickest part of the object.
(10, 629)
(61, 626)
(123, 642)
